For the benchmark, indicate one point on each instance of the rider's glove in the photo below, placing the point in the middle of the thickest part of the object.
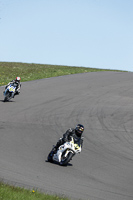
(65, 139)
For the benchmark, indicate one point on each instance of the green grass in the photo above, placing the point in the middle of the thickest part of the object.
(28, 72)
(8, 192)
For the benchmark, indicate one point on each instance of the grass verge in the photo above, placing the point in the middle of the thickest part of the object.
(28, 72)
(8, 192)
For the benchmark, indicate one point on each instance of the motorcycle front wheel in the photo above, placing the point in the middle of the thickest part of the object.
(50, 157)
(66, 160)
(7, 97)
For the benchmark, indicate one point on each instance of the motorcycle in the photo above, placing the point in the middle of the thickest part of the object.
(65, 152)
(9, 92)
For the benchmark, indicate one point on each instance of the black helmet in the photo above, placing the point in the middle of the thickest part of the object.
(79, 130)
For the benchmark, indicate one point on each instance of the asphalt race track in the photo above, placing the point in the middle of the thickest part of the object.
(33, 121)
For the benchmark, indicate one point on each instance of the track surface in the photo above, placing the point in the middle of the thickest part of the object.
(33, 121)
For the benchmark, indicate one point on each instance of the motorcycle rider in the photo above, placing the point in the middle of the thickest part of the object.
(75, 133)
(17, 84)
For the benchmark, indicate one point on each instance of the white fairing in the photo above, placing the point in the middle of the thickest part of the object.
(10, 88)
(68, 147)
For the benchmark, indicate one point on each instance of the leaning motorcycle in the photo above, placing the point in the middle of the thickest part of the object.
(9, 92)
(65, 152)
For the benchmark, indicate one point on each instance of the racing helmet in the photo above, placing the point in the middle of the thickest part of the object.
(17, 79)
(79, 130)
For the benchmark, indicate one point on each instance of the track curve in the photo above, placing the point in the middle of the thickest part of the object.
(33, 121)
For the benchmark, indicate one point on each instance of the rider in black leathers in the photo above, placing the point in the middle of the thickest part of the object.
(75, 133)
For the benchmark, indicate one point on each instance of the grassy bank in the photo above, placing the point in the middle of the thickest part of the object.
(15, 193)
(28, 72)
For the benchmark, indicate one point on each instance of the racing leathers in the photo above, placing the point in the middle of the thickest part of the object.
(67, 137)
(17, 84)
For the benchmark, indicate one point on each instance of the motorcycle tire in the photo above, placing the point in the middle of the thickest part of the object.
(50, 157)
(64, 162)
(7, 97)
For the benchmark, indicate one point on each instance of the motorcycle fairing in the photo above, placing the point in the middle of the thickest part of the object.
(10, 88)
(66, 148)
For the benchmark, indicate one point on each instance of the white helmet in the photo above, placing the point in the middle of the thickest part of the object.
(18, 79)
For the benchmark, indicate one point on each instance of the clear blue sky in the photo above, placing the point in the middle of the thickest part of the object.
(87, 33)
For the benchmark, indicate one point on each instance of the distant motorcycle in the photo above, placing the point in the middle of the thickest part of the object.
(9, 92)
(65, 153)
